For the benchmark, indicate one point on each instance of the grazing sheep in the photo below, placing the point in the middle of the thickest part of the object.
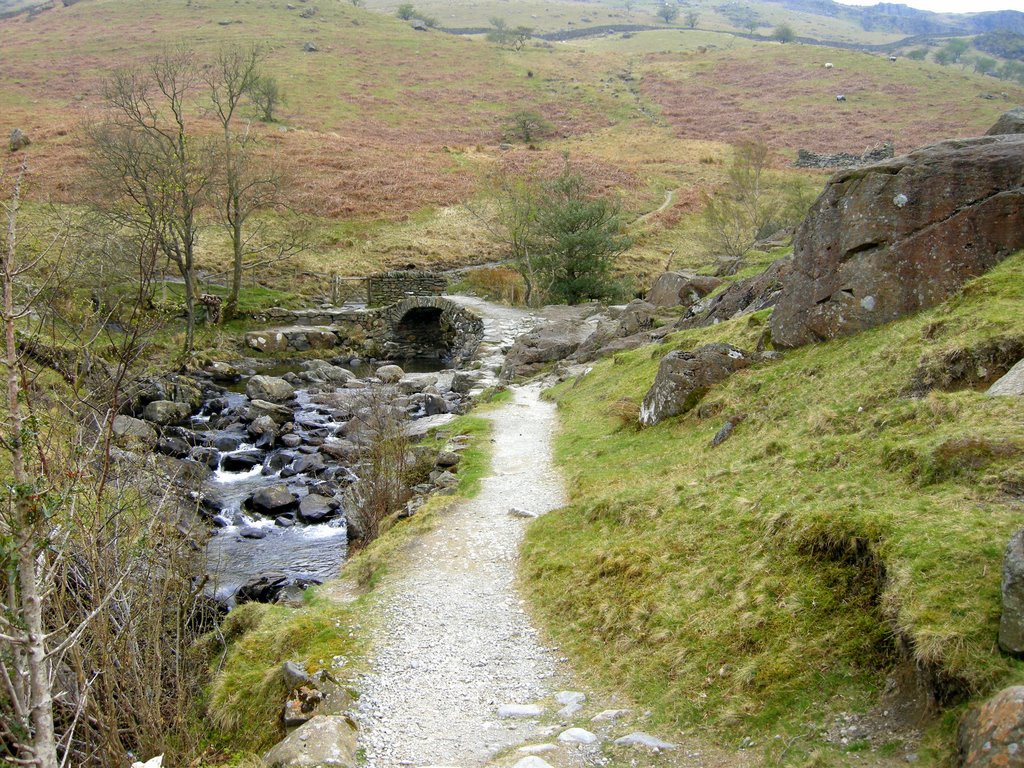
(892, 58)
(828, 65)
(840, 97)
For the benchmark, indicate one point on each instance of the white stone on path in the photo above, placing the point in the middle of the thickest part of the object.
(569, 710)
(517, 512)
(532, 762)
(520, 710)
(577, 736)
(641, 739)
(570, 697)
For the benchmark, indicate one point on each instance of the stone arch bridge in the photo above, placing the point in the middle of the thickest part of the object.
(416, 326)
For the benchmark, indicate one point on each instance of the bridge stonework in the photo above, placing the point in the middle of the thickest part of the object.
(417, 326)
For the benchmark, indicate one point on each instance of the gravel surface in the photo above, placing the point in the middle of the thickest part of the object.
(455, 642)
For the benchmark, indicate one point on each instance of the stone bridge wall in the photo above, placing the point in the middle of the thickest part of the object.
(373, 332)
(389, 287)
(806, 159)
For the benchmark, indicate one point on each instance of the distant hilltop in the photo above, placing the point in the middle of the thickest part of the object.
(896, 17)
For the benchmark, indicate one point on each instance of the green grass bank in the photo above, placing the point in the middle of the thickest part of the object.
(845, 531)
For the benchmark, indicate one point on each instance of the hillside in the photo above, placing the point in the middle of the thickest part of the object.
(387, 130)
(846, 540)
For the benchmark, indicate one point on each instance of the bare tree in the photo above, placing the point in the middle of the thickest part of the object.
(510, 218)
(26, 677)
(248, 184)
(97, 588)
(383, 485)
(152, 172)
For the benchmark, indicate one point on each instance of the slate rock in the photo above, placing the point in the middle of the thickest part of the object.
(577, 736)
(130, 429)
(164, 412)
(281, 414)
(270, 388)
(685, 376)
(273, 500)
(390, 374)
(242, 460)
(1011, 622)
(294, 675)
(1009, 122)
(1011, 384)
(314, 508)
(641, 739)
(886, 240)
(326, 741)
(990, 736)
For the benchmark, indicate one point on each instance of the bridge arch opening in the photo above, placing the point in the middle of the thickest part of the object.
(425, 332)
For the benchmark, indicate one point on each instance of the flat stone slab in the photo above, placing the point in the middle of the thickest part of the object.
(641, 739)
(520, 710)
(609, 714)
(538, 749)
(577, 736)
(1011, 384)
(570, 697)
(532, 762)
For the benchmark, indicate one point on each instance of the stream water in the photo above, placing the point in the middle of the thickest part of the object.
(257, 551)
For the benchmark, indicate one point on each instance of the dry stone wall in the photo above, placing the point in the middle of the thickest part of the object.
(391, 287)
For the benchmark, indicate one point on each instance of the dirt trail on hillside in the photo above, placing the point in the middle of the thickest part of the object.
(455, 642)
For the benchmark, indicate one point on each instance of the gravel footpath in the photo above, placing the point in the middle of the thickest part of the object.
(455, 643)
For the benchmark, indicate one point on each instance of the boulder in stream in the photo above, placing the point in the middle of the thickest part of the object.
(270, 388)
(274, 500)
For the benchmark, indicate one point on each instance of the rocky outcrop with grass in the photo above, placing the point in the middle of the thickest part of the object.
(892, 238)
(684, 376)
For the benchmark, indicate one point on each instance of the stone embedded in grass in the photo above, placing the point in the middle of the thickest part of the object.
(685, 376)
(1012, 384)
(326, 740)
(520, 710)
(577, 736)
(608, 715)
(641, 739)
(538, 749)
(389, 374)
(990, 735)
(532, 762)
(1011, 622)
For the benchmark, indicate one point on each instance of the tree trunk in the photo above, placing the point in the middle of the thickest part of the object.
(235, 217)
(31, 661)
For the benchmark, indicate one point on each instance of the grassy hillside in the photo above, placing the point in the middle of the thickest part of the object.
(759, 587)
(387, 131)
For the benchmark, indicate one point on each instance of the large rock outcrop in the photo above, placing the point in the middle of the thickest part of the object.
(685, 376)
(892, 238)
(743, 297)
(1008, 122)
(674, 289)
(990, 736)
(1011, 621)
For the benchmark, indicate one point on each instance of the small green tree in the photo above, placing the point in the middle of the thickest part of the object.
(266, 95)
(692, 17)
(956, 48)
(943, 57)
(576, 239)
(499, 32)
(406, 11)
(918, 54)
(984, 64)
(784, 33)
(668, 13)
(526, 126)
